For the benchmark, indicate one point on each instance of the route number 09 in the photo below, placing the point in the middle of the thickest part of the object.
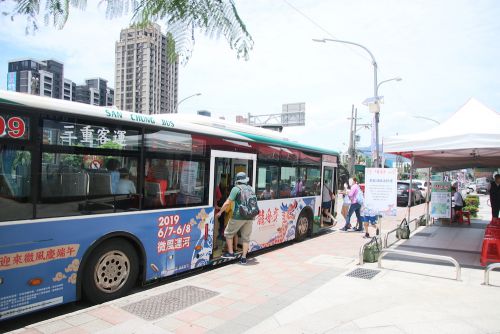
(14, 127)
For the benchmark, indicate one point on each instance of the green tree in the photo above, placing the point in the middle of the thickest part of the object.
(182, 17)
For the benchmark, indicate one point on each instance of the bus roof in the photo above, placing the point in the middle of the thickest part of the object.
(188, 123)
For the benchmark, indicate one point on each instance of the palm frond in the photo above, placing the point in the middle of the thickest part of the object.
(215, 18)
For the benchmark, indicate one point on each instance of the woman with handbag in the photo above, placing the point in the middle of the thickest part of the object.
(356, 197)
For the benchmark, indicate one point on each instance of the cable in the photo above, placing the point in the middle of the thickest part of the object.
(317, 25)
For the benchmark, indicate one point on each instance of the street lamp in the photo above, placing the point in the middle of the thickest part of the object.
(188, 97)
(392, 79)
(375, 88)
(427, 118)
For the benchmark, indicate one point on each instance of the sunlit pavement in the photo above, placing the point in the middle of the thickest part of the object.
(303, 288)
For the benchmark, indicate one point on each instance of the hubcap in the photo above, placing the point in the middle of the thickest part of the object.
(302, 225)
(112, 271)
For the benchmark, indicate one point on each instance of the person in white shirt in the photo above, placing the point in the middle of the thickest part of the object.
(125, 186)
(457, 200)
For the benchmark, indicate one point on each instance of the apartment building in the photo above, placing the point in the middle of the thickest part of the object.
(145, 81)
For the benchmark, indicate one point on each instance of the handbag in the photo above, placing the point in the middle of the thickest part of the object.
(372, 250)
(359, 197)
(403, 231)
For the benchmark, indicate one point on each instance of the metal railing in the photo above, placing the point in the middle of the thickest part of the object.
(487, 272)
(362, 250)
(422, 255)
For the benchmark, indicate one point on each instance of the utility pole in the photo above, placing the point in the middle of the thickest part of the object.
(351, 144)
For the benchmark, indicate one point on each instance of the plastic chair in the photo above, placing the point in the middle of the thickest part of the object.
(490, 251)
(492, 232)
(460, 216)
(495, 222)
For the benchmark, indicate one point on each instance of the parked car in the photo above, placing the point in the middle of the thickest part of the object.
(482, 188)
(423, 186)
(471, 187)
(404, 191)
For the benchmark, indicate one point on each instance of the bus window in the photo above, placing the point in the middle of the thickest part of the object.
(267, 181)
(311, 181)
(15, 184)
(288, 182)
(74, 184)
(174, 183)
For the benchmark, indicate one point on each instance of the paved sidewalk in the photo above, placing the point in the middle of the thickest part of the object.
(301, 288)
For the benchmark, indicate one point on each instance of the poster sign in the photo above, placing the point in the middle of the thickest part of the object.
(381, 190)
(11, 81)
(441, 200)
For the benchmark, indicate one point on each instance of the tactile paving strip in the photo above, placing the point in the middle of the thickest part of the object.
(169, 302)
(363, 273)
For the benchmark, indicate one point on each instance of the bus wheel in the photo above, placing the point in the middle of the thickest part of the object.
(111, 271)
(302, 228)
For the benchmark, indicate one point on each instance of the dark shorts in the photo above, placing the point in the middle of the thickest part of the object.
(326, 205)
(458, 208)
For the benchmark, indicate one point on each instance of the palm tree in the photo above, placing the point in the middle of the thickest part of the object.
(182, 18)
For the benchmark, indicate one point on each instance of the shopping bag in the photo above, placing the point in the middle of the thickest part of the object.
(372, 250)
(403, 231)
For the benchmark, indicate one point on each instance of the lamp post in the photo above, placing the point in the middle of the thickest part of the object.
(375, 88)
(184, 99)
(392, 79)
(427, 118)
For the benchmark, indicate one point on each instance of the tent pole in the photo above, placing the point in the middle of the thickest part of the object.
(410, 190)
(427, 197)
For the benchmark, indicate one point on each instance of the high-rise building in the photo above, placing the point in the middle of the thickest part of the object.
(46, 78)
(30, 76)
(69, 90)
(145, 81)
(57, 70)
(96, 92)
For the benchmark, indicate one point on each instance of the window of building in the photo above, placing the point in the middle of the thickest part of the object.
(15, 184)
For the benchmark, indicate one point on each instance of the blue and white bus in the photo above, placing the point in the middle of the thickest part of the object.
(94, 200)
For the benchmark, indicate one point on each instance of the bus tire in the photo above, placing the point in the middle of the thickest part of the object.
(111, 271)
(303, 225)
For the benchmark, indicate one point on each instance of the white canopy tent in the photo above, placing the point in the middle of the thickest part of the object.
(469, 138)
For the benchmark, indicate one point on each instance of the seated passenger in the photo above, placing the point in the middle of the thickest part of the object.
(267, 193)
(125, 186)
(112, 165)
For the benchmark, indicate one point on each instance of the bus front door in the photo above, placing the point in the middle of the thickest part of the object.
(224, 166)
(330, 185)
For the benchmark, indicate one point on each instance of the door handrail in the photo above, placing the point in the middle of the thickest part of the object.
(422, 255)
(487, 270)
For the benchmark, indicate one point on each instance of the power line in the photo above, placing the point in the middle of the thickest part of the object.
(317, 25)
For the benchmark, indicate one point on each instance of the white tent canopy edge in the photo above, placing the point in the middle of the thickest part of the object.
(469, 138)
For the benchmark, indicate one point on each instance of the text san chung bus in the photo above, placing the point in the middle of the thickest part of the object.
(95, 200)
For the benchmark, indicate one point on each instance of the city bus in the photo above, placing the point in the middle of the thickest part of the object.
(95, 200)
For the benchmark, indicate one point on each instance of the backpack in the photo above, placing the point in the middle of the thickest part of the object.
(248, 208)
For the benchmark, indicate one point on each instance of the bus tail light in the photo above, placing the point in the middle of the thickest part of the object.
(35, 281)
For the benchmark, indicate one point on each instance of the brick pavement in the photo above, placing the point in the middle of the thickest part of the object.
(247, 295)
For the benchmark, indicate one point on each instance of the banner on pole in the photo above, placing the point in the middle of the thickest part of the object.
(381, 190)
(441, 200)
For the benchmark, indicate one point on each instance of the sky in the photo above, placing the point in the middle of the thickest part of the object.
(445, 51)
